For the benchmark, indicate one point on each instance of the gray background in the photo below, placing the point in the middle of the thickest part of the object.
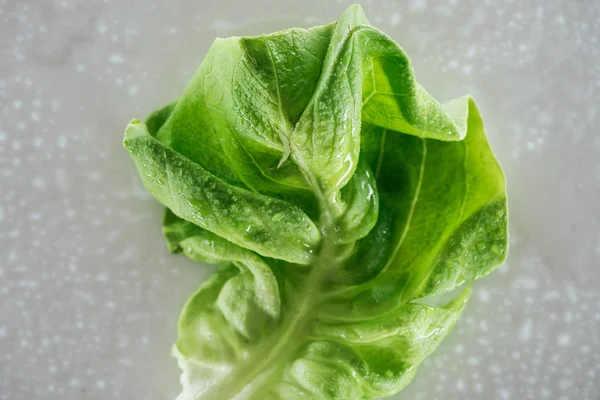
(88, 294)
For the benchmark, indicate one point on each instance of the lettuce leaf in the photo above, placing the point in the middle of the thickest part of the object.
(336, 195)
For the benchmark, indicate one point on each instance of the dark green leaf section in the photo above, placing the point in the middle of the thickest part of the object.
(448, 203)
(360, 204)
(157, 119)
(176, 230)
(369, 255)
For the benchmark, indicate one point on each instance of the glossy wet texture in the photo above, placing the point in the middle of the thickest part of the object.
(89, 294)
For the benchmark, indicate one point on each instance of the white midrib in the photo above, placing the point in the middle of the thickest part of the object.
(276, 350)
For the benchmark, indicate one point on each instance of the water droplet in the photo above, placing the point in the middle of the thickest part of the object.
(496, 249)
(278, 216)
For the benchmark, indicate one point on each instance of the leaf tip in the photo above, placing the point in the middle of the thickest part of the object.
(357, 12)
(135, 129)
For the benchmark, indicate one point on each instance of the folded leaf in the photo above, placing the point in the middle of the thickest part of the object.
(337, 195)
(269, 226)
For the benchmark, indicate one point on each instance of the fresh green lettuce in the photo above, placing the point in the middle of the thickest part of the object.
(336, 195)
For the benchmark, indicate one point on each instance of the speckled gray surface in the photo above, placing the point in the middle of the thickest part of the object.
(89, 295)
